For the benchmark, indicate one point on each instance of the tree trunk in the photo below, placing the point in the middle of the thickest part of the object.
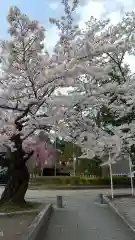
(16, 187)
(17, 171)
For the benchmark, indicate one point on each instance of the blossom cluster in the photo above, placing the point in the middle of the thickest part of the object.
(91, 61)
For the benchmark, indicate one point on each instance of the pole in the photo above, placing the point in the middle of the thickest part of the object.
(74, 166)
(110, 167)
(55, 165)
(59, 202)
(55, 160)
(55, 168)
(74, 161)
(101, 198)
(131, 177)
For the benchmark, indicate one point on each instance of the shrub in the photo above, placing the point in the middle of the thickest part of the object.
(71, 180)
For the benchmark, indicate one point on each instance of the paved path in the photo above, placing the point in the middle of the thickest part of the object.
(46, 194)
(82, 219)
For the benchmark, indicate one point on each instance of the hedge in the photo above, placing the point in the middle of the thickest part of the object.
(68, 180)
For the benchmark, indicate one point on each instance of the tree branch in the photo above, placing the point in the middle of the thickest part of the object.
(12, 108)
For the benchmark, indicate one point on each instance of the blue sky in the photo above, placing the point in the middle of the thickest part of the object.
(41, 10)
(36, 9)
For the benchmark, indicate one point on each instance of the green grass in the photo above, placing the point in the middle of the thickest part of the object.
(8, 208)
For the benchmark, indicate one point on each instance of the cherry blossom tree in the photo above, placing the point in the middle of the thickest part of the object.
(28, 79)
(119, 87)
(103, 102)
(44, 152)
(110, 101)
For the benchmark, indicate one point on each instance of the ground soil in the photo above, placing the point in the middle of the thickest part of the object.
(14, 227)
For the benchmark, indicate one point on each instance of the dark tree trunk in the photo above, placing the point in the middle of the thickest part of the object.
(18, 174)
(16, 187)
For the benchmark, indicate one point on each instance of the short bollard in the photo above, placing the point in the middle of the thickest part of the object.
(59, 202)
(101, 198)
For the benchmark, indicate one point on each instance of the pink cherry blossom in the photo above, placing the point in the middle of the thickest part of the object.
(44, 154)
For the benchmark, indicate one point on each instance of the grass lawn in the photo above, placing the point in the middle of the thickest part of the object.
(8, 208)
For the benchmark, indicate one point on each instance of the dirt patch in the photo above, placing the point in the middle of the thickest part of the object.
(28, 206)
(13, 227)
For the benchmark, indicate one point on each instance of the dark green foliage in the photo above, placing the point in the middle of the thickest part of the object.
(105, 116)
(90, 166)
(60, 144)
(65, 180)
(68, 149)
(114, 76)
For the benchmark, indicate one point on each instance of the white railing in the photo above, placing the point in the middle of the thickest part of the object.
(120, 174)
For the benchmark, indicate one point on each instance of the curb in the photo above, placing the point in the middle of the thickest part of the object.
(112, 206)
(75, 187)
(120, 195)
(18, 213)
(39, 226)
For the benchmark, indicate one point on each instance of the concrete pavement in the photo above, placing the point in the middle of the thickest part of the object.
(49, 196)
(82, 219)
(54, 193)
